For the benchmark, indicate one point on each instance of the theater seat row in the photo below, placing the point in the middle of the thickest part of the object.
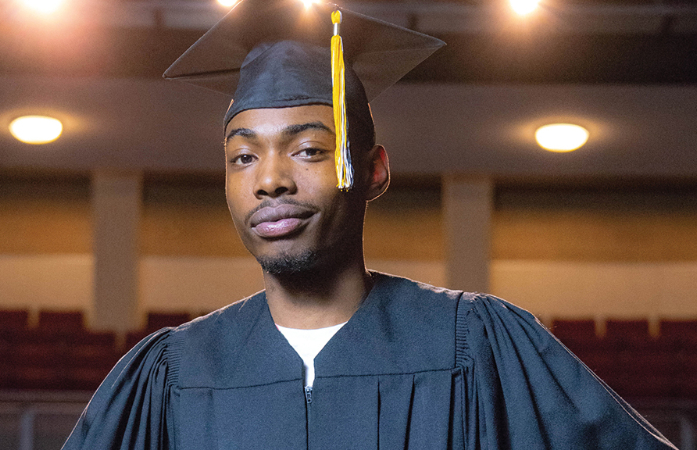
(60, 353)
(633, 362)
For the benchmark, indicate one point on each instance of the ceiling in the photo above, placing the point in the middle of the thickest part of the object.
(625, 69)
(591, 41)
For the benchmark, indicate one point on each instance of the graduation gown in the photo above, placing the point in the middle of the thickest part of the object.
(416, 367)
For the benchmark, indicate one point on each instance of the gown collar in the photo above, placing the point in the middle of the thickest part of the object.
(390, 333)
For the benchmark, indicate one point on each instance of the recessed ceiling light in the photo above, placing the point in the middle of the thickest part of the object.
(43, 6)
(227, 3)
(309, 3)
(561, 137)
(524, 7)
(36, 129)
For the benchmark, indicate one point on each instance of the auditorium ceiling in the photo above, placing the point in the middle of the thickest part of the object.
(625, 68)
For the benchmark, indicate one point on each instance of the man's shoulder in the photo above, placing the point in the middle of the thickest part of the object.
(408, 289)
(414, 308)
(225, 319)
(403, 293)
(474, 312)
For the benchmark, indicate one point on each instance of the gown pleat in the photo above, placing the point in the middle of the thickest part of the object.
(416, 367)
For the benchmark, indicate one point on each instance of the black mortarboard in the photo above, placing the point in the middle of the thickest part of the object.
(276, 53)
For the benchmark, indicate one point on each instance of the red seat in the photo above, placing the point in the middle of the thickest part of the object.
(36, 361)
(89, 361)
(643, 386)
(13, 320)
(678, 328)
(575, 330)
(36, 348)
(84, 378)
(133, 338)
(645, 366)
(688, 374)
(627, 330)
(579, 336)
(62, 322)
(92, 349)
(681, 333)
(157, 321)
(36, 378)
(46, 360)
(95, 338)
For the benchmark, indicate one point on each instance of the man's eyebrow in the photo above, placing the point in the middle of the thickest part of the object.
(244, 132)
(288, 131)
(292, 130)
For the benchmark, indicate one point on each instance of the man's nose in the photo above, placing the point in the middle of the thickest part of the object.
(274, 177)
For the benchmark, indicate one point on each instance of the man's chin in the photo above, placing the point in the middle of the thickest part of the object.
(285, 264)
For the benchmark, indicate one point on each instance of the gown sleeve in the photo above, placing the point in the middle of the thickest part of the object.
(525, 390)
(129, 410)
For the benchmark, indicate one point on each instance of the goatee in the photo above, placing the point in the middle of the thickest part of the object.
(285, 264)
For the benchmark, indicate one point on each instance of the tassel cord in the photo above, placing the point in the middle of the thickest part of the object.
(342, 156)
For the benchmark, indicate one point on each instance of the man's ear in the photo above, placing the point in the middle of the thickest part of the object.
(379, 172)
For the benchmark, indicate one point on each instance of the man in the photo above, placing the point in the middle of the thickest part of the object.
(330, 355)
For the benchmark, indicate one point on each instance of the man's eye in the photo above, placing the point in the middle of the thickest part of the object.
(310, 152)
(242, 159)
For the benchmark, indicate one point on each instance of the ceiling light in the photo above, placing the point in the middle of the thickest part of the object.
(524, 7)
(227, 3)
(561, 137)
(36, 129)
(309, 3)
(43, 6)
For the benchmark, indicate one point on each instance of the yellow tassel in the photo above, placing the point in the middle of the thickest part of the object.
(342, 156)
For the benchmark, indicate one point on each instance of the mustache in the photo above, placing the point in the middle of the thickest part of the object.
(273, 203)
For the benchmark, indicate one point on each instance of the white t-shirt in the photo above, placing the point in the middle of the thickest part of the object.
(308, 343)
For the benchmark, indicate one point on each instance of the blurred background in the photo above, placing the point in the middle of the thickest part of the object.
(119, 225)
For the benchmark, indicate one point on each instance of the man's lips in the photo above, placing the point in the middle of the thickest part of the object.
(278, 221)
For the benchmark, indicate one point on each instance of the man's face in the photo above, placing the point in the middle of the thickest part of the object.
(281, 189)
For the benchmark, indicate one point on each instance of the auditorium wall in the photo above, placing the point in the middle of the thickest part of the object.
(600, 251)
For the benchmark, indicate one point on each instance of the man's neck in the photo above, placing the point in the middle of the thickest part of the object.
(318, 299)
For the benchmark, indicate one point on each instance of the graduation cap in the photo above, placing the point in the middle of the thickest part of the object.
(281, 53)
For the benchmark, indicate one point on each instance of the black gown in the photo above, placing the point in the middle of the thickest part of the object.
(416, 367)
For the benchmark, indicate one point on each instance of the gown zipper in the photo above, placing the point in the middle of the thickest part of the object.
(308, 394)
(308, 413)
